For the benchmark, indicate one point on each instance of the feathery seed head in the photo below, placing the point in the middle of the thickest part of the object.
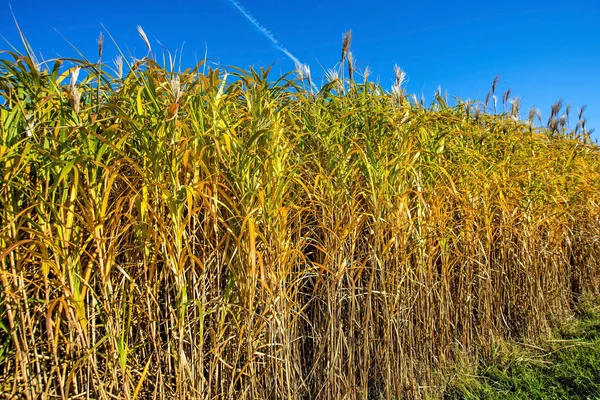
(332, 75)
(303, 71)
(555, 108)
(515, 107)
(533, 112)
(506, 96)
(400, 75)
(562, 121)
(487, 98)
(366, 72)
(582, 110)
(100, 42)
(468, 106)
(74, 76)
(119, 65)
(346, 44)
(29, 124)
(175, 84)
(75, 95)
(495, 83)
(553, 124)
(397, 91)
(144, 38)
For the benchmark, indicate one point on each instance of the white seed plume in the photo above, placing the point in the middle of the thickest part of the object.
(75, 95)
(29, 125)
(515, 107)
(74, 76)
(119, 65)
(562, 121)
(144, 38)
(332, 75)
(175, 84)
(303, 71)
(397, 91)
(400, 75)
(533, 112)
(366, 72)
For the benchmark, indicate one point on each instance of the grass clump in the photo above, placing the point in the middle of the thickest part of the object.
(216, 233)
(564, 367)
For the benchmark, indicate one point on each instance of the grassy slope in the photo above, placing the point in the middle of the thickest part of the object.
(567, 366)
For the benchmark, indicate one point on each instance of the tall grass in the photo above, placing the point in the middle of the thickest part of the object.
(223, 234)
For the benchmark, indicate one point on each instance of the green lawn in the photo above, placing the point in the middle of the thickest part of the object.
(567, 366)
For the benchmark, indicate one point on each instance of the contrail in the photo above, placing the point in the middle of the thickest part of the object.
(264, 31)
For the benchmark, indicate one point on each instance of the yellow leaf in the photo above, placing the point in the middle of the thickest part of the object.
(140, 107)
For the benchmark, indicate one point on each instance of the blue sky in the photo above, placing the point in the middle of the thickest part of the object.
(542, 50)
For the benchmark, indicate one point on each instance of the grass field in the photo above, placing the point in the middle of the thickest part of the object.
(220, 233)
(564, 366)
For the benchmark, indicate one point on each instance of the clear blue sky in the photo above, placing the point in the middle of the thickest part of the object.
(542, 50)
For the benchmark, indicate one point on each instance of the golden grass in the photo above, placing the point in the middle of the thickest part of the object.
(176, 235)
